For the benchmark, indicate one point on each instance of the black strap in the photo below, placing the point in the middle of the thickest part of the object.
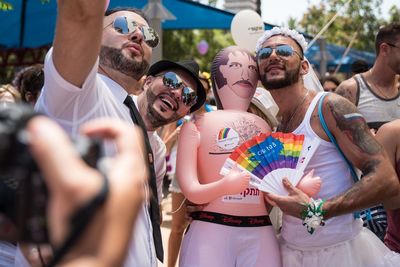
(79, 221)
(154, 208)
(231, 220)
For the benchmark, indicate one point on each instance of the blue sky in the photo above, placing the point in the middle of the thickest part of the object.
(277, 11)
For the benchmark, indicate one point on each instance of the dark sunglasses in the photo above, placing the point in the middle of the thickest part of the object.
(280, 50)
(174, 82)
(125, 25)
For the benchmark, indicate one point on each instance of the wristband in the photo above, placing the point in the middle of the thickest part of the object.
(313, 216)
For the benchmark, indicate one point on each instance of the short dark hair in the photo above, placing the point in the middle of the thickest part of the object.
(332, 78)
(387, 34)
(29, 79)
(130, 9)
(359, 66)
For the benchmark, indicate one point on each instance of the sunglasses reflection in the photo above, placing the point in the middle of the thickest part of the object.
(172, 81)
(124, 25)
(280, 50)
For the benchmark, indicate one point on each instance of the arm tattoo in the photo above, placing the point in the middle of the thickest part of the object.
(353, 124)
(346, 93)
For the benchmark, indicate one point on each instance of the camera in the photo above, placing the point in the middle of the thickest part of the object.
(23, 192)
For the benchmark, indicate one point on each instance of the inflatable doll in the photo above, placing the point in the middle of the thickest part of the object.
(233, 229)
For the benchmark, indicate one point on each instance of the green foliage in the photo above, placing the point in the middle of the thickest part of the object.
(394, 14)
(182, 44)
(5, 6)
(362, 16)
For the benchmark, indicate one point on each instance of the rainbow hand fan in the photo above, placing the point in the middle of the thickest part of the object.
(270, 157)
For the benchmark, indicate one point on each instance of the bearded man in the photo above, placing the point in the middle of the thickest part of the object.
(324, 231)
(95, 64)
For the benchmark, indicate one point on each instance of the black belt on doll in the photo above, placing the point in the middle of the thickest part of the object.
(231, 220)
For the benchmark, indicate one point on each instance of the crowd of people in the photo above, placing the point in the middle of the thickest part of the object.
(97, 81)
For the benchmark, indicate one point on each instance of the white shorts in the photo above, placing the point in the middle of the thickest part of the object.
(215, 245)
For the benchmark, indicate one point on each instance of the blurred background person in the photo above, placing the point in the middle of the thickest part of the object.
(330, 83)
(9, 94)
(29, 82)
(387, 135)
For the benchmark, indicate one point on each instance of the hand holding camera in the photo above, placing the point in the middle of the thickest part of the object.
(73, 186)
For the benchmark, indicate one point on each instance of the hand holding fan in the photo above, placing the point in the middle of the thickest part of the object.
(270, 157)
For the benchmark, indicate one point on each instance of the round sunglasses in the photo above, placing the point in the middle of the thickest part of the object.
(172, 81)
(281, 50)
(124, 25)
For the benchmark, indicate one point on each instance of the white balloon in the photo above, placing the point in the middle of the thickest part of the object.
(246, 27)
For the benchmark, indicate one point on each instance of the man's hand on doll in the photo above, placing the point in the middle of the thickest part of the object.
(292, 204)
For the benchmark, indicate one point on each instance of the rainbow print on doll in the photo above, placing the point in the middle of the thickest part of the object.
(227, 139)
(270, 157)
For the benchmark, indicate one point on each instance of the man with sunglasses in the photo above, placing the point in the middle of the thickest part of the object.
(376, 92)
(324, 232)
(96, 62)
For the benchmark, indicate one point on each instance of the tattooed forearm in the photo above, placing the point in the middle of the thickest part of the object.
(353, 124)
(370, 167)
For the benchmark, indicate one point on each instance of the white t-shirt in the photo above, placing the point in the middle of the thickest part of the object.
(100, 96)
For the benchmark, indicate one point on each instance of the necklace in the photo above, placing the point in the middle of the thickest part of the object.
(382, 92)
(287, 123)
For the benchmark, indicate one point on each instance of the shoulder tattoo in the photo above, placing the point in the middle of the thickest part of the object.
(353, 125)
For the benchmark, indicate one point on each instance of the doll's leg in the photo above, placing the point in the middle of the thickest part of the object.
(207, 244)
(257, 247)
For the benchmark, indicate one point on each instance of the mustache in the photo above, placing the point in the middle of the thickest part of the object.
(245, 82)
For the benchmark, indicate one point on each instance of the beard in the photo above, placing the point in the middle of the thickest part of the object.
(291, 77)
(114, 59)
(155, 119)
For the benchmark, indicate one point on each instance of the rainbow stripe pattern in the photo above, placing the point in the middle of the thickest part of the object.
(223, 133)
(267, 152)
(268, 157)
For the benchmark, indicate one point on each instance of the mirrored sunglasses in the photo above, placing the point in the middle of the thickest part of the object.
(280, 50)
(126, 26)
(174, 82)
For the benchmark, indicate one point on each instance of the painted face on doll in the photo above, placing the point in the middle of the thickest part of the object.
(235, 77)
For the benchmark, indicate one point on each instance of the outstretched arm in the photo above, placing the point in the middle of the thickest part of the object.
(77, 39)
(188, 142)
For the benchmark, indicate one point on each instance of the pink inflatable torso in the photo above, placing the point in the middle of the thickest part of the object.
(219, 133)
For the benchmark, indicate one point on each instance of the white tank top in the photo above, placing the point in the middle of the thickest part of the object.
(336, 178)
(375, 109)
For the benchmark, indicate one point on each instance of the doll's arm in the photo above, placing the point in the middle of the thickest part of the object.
(310, 184)
(188, 142)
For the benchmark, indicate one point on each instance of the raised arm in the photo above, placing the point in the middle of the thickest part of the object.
(364, 152)
(188, 142)
(77, 38)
